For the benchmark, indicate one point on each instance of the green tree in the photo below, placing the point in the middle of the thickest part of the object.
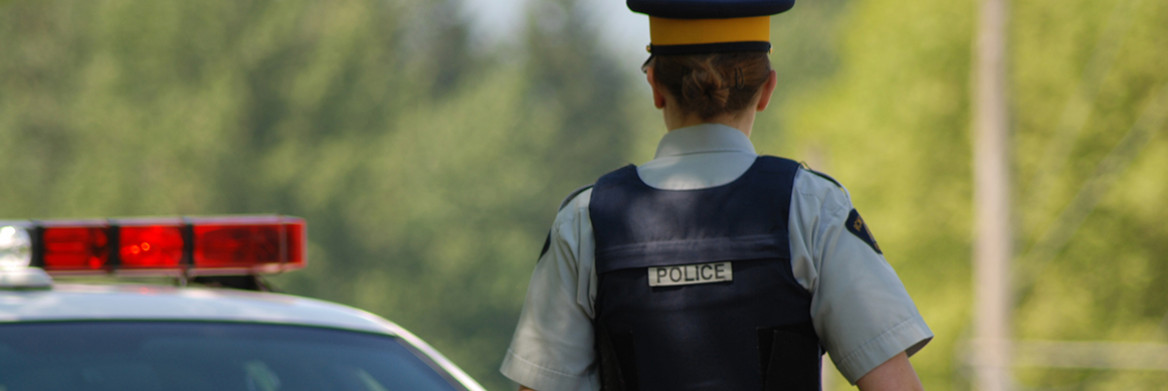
(429, 170)
(891, 123)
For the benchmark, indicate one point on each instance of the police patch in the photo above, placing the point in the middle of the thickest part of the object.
(702, 273)
(857, 226)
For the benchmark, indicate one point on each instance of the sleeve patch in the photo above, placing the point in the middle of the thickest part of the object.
(858, 227)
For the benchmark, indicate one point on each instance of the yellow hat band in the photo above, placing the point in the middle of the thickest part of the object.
(668, 31)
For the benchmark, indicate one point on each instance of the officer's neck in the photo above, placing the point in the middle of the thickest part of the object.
(676, 119)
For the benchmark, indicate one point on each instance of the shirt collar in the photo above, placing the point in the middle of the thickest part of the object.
(704, 138)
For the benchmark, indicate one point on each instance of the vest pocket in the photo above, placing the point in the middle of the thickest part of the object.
(789, 359)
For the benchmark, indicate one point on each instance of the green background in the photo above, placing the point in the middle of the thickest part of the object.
(429, 165)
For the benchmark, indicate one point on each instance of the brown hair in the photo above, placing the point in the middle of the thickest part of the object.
(712, 84)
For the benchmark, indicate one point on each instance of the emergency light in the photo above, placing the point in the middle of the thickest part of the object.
(156, 246)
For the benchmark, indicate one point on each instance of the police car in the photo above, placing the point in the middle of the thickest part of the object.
(103, 336)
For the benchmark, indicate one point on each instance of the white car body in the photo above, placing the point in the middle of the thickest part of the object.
(97, 302)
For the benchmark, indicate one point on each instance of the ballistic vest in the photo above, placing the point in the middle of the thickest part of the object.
(695, 286)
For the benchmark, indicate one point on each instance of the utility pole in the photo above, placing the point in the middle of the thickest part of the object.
(993, 246)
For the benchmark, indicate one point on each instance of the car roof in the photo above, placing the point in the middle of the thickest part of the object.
(105, 302)
(74, 302)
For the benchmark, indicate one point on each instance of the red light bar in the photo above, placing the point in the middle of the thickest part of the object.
(192, 246)
(76, 246)
(265, 244)
(150, 245)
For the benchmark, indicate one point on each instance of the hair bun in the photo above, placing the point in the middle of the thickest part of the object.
(711, 85)
(706, 90)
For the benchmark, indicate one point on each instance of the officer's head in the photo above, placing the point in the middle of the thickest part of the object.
(710, 56)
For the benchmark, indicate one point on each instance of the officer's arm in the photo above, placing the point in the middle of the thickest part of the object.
(895, 374)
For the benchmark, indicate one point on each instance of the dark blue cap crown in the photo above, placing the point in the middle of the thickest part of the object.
(709, 9)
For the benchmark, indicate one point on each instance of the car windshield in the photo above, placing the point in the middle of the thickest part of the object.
(208, 356)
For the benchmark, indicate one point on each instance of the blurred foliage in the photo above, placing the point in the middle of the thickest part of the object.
(429, 170)
(1089, 100)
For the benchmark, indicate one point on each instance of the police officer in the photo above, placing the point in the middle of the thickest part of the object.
(711, 267)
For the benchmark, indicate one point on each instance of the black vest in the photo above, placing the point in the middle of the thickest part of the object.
(706, 325)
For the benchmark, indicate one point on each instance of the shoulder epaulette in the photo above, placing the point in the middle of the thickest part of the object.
(820, 174)
(547, 242)
(573, 195)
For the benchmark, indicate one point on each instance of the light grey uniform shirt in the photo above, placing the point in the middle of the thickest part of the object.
(861, 311)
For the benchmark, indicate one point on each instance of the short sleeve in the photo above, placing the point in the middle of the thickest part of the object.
(860, 309)
(552, 348)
